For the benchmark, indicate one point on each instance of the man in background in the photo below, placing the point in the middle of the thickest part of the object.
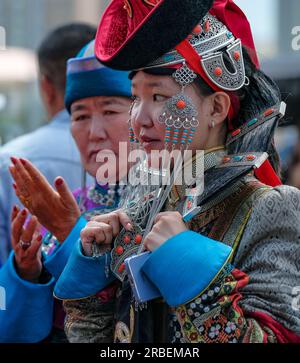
(51, 147)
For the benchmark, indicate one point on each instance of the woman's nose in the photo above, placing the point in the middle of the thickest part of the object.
(98, 128)
(141, 116)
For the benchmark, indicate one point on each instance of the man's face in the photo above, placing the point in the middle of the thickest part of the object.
(99, 123)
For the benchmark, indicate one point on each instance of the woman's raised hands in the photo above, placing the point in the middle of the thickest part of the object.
(26, 241)
(56, 210)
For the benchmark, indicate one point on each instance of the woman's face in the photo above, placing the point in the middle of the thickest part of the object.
(150, 93)
(99, 123)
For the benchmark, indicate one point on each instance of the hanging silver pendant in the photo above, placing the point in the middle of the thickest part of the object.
(179, 112)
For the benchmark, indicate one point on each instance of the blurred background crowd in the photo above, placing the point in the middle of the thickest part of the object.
(25, 23)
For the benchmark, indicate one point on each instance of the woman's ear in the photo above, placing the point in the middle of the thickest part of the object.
(220, 104)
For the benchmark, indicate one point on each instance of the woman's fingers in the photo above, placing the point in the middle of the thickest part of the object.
(36, 243)
(22, 178)
(17, 227)
(112, 219)
(125, 220)
(114, 222)
(115, 219)
(27, 234)
(98, 232)
(14, 212)
(28, 178)
(65, 193)
(108, 235)
(15, 176)
(37, 177)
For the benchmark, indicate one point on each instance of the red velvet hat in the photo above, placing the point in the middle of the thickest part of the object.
(133, 33)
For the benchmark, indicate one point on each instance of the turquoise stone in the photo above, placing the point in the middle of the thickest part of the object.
(252, 122)
(237, 158)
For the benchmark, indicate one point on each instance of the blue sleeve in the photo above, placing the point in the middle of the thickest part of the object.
(7, 200)
(185, 265)
(83, 276)
(26, 309)
(56, 262)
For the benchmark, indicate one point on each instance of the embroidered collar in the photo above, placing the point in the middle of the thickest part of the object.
(212, 158)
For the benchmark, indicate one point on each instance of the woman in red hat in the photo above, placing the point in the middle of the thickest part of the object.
(225, 260)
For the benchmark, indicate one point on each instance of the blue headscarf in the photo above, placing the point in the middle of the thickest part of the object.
(87, 77)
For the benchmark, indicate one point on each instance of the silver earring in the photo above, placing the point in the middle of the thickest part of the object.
(212, 124)
(179, 114)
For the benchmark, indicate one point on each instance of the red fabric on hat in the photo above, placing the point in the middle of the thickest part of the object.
(117, 19)
(236, 21)
(193, 59)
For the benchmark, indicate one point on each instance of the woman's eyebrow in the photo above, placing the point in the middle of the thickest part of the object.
(78, 108)
(110, 101)
(150, 84)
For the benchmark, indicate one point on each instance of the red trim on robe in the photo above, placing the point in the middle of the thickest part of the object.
(282, 334)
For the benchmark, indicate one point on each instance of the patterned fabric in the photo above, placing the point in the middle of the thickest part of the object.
(251, 298)
(100, 329)
(268, 255)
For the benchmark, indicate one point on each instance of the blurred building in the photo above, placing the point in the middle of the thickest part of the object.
(27, 21)
(24, 23)
(289, 17)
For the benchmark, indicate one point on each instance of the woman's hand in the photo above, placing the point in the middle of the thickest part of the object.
(102, 230)
(26, 242)
(166, 225)
(56, 210)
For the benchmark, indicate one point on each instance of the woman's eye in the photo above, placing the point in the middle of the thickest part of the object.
(81, 118)
(107, 113)
(159, 98)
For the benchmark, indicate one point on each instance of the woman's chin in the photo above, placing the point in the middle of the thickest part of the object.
(152, 146)
(92, 170)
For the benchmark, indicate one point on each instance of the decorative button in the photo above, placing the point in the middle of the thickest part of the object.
(119, 250)
(236, 132)
(168, 58)
(189, 204)
(207, 26)
(250, 157)
(121, 267)
(269, 112)
(138, 239)
(237, 158)
(181, 104)
(252, 122)
(237, 55)
(218, 71)
(127, 239)
(197, 29)
(226, 159)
